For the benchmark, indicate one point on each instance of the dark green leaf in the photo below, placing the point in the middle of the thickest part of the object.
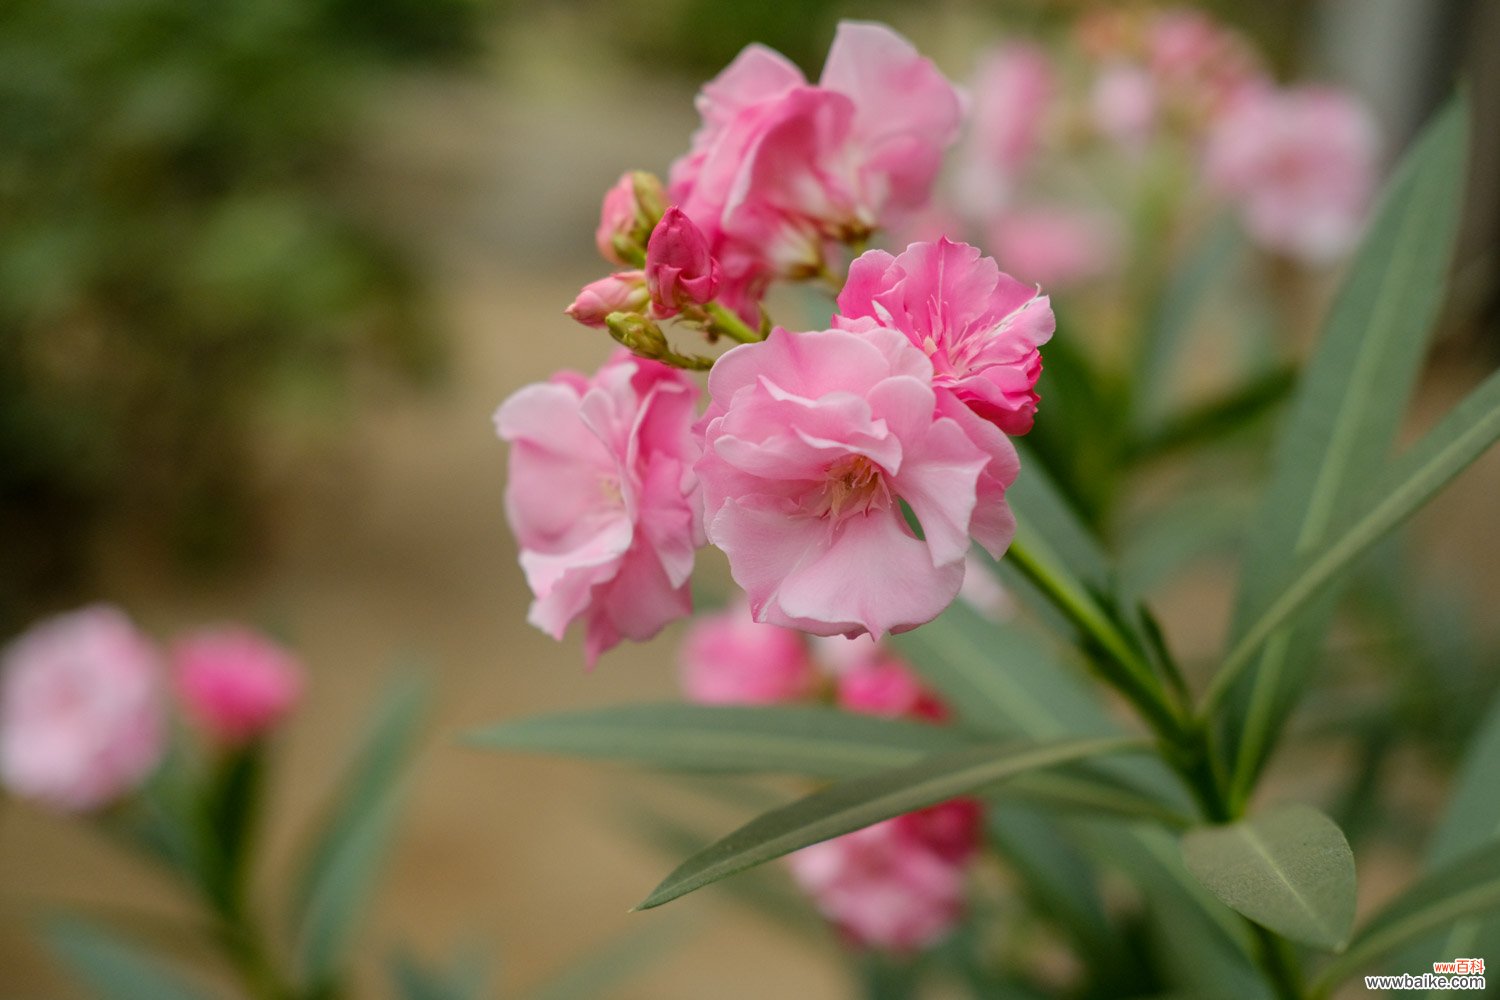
(818, 742)
(1289, 869)
(859, 802)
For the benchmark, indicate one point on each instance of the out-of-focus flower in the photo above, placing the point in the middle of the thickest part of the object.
(1301, 164)
(626, 216)
(1123, 104)
(234, 682)
(897, 885)
(82, 720)
(731, 659)
(679, 269)
(781, 168)
(1055, 246)
(812, 440)
(879, 682)
(1201, 64)
(623, 291)
(981, 328)
(1011, 95)
(600, 497)
(984, 593)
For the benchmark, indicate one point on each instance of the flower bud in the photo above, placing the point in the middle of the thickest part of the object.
(638, 333)
(680, 271)
(235, 683)
(630, 210)
(623, 291)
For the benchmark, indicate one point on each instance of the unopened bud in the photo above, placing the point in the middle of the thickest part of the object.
(630, 210)
(638, 333)
(623, 291)
(680, 271)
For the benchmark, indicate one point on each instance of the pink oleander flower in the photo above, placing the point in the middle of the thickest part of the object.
(1123, 104)
(1200, 63)
(898, 885)
(1012, 93)
(873, 680)
(980, 328)
(812, 441)
(1301, 163)
(235, 683)
(1054, 246)
(623, 291)
(731, 659)
(601, 498)
(679, 269)
(984, 593)
(781, 168)
(82, 720)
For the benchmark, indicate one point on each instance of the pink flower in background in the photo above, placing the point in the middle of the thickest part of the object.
(1056, 246)
(812, 441)
(981, 328)
(623, 291)
(600, 497)
(234, 682)
(1012, 93)
(779, 168)
(82, 720)
(1123, 103)
(897, 885)
(730, 659)
(1201, 64)
(679, 269)
(1301, 163)
(881, 683)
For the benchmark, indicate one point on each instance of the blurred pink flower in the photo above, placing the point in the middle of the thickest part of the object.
(623, 291)
(600, 497)
(981, 328)
(234, 682)
(730, 659)
(812, 439)
(879, 682)
(1301, 163)
(82, 720)
(1123, 104)
(617, 218)
(1200, 63)
(1055, 246)
(780, 168)
(984, 593)
(897, 885)
(679, 269)
(1011, 96)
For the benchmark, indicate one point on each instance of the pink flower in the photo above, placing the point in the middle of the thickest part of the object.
(781, 168)
(1054, 246)
(1123, 103)
(600, 497)
(730, 659)
(897, 885)
(812, 441)
(1301, 162)
(1012, 93)
(623, 291)
(979, 327)
(679, 269)
(234, 682)
(617, 220)
(875, 681)
(1201, 64)
(81, 715)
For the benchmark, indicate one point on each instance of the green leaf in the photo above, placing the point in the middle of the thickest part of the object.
(598, 974)
(340, 872)
(817, 742)
(414, 980)
(1466, 886)
(1346, 414)
(1421, 473)
(859, 802)
(112, 968)
(1289, 869)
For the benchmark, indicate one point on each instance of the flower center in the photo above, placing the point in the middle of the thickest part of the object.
(855, 485)
(613, 494)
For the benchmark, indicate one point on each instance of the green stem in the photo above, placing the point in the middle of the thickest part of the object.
(725, 322)
(1279, 964)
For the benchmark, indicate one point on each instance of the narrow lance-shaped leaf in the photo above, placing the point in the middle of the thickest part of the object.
(1465, 434)
(1288, 869)
(817, 742)
(860, 802)
(1467, 886)
(1347, 411)
(114, 968)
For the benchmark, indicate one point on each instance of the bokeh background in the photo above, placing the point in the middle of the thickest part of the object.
(267, 267)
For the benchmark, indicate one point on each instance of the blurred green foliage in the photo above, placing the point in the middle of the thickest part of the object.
(181, 234)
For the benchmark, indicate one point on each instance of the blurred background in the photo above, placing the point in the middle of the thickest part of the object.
(267, 267)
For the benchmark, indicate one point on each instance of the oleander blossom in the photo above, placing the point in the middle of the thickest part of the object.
(731, 659)
(780, 169)
(812, 443)
(82, 719)
(980, 327)
(871, 679)
(1301, 162)
(601, 498)
(235, 683)
(1014, 89)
